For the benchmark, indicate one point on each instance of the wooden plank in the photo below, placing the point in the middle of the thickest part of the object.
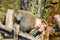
(6, 39)
(27, 36)
(16, 31)
(9, 19)
(1, 37)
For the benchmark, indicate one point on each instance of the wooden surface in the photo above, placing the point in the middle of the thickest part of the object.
(9, 19)
(7, 39)
(27, 36)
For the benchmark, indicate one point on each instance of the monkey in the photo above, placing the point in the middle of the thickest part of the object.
(27, 21)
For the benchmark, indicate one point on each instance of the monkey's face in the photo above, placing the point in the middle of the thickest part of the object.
(18, 16)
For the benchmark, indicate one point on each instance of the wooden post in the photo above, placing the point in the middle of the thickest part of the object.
(9, 19)
(16, 31)
(1, 37)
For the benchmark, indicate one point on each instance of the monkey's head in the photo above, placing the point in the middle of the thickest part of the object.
(18, 15)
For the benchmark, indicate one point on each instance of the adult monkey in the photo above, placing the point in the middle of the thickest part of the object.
(28, 21)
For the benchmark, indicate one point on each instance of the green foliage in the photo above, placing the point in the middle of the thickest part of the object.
(33, 7)
(16, 5)
(8, 4)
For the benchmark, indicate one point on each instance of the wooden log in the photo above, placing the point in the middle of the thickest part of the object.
(27, 36)
(1, 37)
(16, 31)
(7, 39)
(9, 21)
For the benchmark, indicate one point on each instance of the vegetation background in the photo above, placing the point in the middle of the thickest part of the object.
(40, 8)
